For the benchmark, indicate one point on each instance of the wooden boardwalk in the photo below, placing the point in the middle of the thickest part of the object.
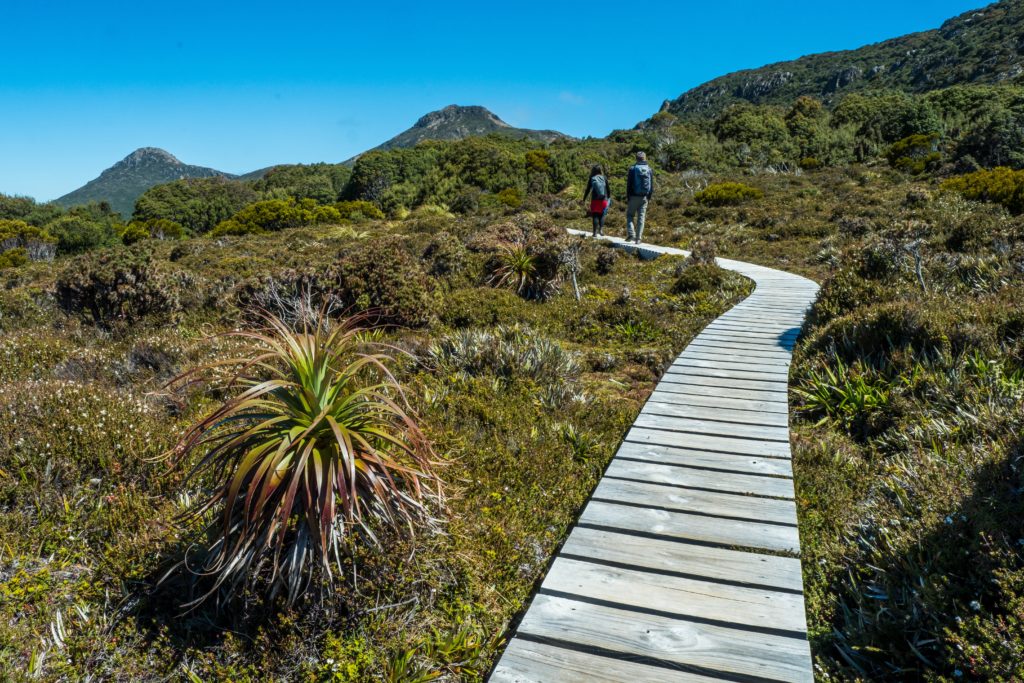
(684, 565)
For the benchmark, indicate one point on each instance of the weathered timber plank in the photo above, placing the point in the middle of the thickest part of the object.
(711, 480)
(695, 645)
(530, 662)
(723, 462)
(696, 501)
(714, 564)
(721, 603)
(720, 444)
(721, 532)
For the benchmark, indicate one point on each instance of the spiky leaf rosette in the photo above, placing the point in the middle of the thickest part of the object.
(315, 440)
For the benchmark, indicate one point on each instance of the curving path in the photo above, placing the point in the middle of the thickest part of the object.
(684, 565)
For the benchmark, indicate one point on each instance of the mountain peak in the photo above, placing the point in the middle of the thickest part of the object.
(454, 114)
(456, 122)
(125, 181)
(143, 154)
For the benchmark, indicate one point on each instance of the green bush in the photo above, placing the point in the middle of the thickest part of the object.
(699, 277)
(34, 244)
(915, 154)
(382, 277)
(1000, 185)
(358, 211)
(134, 232)
(445, 256)
(973, 232)
(12, 258)
(76, 234)
(510, 197)
(727, 194)
(276, 214)
(481, 307)
(122, 286)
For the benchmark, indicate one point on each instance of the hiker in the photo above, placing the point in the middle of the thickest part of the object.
(639, 188)
(600, 198)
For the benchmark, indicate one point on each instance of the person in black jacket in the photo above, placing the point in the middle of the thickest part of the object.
(600, 198)
(639, 189)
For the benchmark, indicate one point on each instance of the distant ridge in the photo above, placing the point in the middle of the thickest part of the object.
(125, 181)
(981, 46)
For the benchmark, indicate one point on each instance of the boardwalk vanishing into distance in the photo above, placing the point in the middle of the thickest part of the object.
(684, 564)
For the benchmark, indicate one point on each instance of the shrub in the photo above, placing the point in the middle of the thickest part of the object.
(606, 261)
(511, 353)
(706, 277)
(311, 444)
(379, 278)
(973, 232)
(12, 258)
(445, 256)
(703, 251)
(35, 244)
(384, 278)
(915, 153)
(358, 211)
(1000, 185)
(727, 194)
(510, 197)
(276, 214)
(844, 292)
(855, 226)
(122, 285)
(810, 163)
(481, 307)
(134, 232)
(76, 234)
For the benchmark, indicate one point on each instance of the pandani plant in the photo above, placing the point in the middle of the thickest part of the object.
(516, 268)
(314, 446)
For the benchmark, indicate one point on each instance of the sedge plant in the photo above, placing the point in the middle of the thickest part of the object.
(313, 447)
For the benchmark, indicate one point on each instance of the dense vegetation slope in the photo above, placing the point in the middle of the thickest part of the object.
(983, 46)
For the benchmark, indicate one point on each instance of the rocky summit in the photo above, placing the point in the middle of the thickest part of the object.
(456, 122)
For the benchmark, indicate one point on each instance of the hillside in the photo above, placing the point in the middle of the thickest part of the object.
(985, 46)
(456, 122)
(125, 181)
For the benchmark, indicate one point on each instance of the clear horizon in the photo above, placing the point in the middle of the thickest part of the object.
(239, 88)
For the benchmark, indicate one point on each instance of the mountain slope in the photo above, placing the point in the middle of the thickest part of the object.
(455, 122)
(982, 46)
(125, 181)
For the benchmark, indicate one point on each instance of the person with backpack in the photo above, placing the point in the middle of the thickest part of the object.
(639, 188)
(600, 198)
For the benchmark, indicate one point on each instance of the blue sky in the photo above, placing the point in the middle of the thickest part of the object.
(239, 86)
